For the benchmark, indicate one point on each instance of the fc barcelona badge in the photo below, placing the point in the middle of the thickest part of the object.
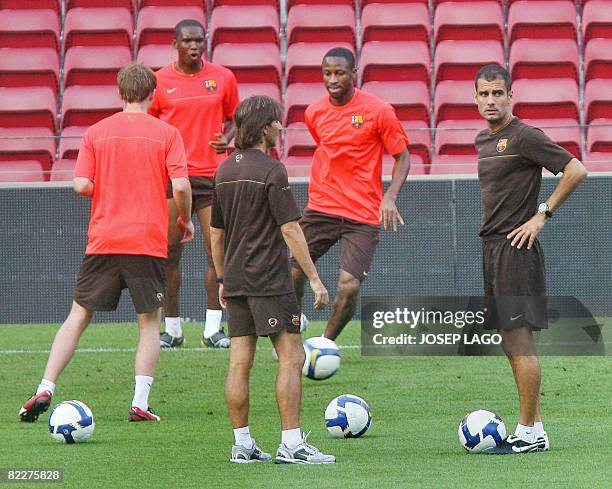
(357, 121)
(211, 85)
(502, 144)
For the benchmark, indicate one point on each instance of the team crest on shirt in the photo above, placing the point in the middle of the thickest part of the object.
(210, 85)
(295, 320)
(502, 144)
(357, 121)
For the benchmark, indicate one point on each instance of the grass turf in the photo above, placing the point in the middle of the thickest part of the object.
(417, 404)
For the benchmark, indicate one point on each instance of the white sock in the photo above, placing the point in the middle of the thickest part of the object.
(242, 436)
(141, 391)
(213, 322)
(538, 428)
(45, 385)
(303, 323)
(525, 433)
(173, 326)
(291, 438)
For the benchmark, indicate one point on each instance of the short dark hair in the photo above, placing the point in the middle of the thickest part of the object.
(491, 73)
(251, 118)
(341, 53)
(136, 82)
(186, 23)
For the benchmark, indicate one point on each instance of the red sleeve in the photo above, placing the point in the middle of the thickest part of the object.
(231, 99)
(391, 131)
(310, 126)
(176, 161)
(86, 160)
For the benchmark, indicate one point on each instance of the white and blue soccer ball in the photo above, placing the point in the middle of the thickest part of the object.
(71, 422)
(481, 430)
(348, 416)
(322, 358)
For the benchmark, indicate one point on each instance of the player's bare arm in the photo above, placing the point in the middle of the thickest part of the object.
(573, 173)
(389, 214)
(294, 237)
(220, 144)
(83, 186)
(181, 192)
(217, 235)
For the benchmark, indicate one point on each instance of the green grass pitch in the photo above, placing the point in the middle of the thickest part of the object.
(417, 404)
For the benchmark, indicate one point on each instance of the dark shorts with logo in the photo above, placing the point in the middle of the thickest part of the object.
(357, 241)
(103, 277)
(262, 315)
(202, 190)
(515, 285)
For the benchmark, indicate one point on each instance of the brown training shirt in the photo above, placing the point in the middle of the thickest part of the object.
(510, 173)
(252, 200)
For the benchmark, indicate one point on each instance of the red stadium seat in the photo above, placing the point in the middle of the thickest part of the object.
(596, 162)
(544, 58)
(292, 3)
(298, 166)
(454, 165)
(246, 90)
(31, 4)
(419, 137)
(63, 170)
(469, 21)
(555, 98)
(172, 3)
(28, 143)
(542, 20)
(410, 99)
(21, 171)
(298, 141)
(156, 56)
(457, 137)
(84, 106)
(94, 65)
(417, 167)
(156, 24)
(461, 60)
(304, 61)
(599, 136)
(313, 23)
(597, 20)
(564, 132)
(395, 22)
(598, 59)
(395, 61)
(98, 27)
(70, 141)
(454, 100)
(29, 67)
(251, 63)
(244, 24)
(274, 3)
(28, 107)
(127, 4)
(298, 96)
(29, 29)
(364, 3)
(598, 99)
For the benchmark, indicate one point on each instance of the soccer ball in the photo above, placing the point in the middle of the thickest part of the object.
(481, 430)
(348, 416)
(71, 422)
(322, 358)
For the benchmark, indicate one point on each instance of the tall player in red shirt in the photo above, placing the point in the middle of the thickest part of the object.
(199, 99)
(124, 164)
(345, 196)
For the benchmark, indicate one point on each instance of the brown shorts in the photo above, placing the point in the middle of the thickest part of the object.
(202, 190)
(103, 277)
(262, 315)
(357, 241)
(516, 282)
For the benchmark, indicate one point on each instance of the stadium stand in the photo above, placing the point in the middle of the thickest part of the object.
(297, 97)
(298, 166)
(21, 171)
(94, 65)
(298, 141)
(555, 19)
(598, 59)
(98, 27)
(156, 24)
(28, 107)
(395, 61)
(29, 67)
(544, 58)
(411, 100)
(555, 98)
(275, 3)
(292, 3)
(454, 164)
(597, 20)
(457, 137)
(70, 141)
(303, 64)
(598, 99)
(416, 165)
(32, 4)
(86, 105)
(454, 100)
(63, 170)
(311, 23)
(170, 3)
(38, 28)
(596, 162)
(246, 90)
(29, 143)
(469, 21)
(127, 4)
(461, 60)
(251, 63)
(599, 136)
(419, 136)
(244, 24)
(564, 132)
(156, 55)
(395, 22)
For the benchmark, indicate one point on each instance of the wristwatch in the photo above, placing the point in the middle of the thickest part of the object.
(543, 209)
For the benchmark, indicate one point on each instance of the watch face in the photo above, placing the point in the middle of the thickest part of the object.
(543, 207)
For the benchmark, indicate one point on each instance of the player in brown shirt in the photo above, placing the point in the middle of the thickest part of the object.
(254, 220)
(511, 155)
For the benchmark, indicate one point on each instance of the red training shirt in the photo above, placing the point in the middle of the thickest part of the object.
(346, 172)
(197, 106)
(130, 156)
